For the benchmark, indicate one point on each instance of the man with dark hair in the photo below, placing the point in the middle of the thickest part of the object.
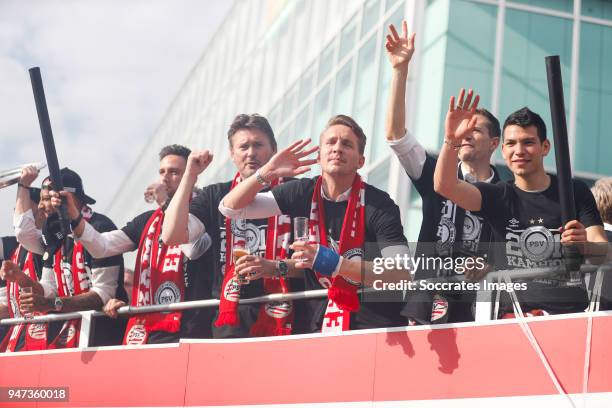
(174, 150)
(446, 230)
(71, 279)
(254, 122)
(349, 222)
(525, 118)
(524, 213)
(163, 274)
(251, 144)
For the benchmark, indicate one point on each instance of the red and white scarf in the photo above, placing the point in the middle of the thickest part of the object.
(275, 318)
(158, 279)
(36, 333)
(72, 279)
(342, 294)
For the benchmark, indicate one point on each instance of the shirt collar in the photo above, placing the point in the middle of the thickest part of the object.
(342, 197)
(472, 179)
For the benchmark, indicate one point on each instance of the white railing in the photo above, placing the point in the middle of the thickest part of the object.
(483, 297)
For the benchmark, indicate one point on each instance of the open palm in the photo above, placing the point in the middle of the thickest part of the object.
(461, 120)
(399, 48)
(292, 161)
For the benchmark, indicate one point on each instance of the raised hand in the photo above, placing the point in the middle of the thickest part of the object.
(28, 175)
(461, 120)
(67, 198)
(400, 48)
(157, 192)
(198, 162)
(290, 162)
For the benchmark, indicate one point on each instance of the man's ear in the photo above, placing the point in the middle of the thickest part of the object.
(546, 147)
(494, 143)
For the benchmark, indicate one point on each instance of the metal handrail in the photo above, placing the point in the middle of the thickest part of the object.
(86, 317)
(278, 297)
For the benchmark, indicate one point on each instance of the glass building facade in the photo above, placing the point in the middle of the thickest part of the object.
(298, 62)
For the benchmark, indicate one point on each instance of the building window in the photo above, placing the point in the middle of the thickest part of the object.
(594, 100)
(365, 91)
(378, 141)
(343, 93)
(347, 38)
(559, 5)
(321, 110)
(456, 53)
(379, 175)
(326, 62)
(597, 8)
(371, 12)
(528, 38)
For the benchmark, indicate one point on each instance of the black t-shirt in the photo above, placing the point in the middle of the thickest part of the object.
(526, 228)
(107, 331)
(382, 225)
(195, 323)
(205, 207)
(446, 230)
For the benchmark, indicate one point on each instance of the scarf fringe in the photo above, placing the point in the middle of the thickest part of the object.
(346, 299)
(169, 323)
(227, 317)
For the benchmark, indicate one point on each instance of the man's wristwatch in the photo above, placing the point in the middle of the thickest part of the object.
(260, 179)
(282, 268)
(58, 304)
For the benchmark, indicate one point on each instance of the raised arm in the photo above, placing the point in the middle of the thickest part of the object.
(410, 153)
(290, 162)
(175, 230)
(460, 122)
(98, 244)
(24, 203)
(399, 52)
(23, 220)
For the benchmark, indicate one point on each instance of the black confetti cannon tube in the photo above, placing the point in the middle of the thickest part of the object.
(562, 154)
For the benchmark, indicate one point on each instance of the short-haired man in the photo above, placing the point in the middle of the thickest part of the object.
(602, 191)
(161, 270)
(446, 230)
(251, 144)
(345, 214)
(525, 212)
(72, 280)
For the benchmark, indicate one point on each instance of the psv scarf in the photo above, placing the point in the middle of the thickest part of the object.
(342, 294)
(72, 280)
(275, 318)
(36, 333)
(158, 279)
